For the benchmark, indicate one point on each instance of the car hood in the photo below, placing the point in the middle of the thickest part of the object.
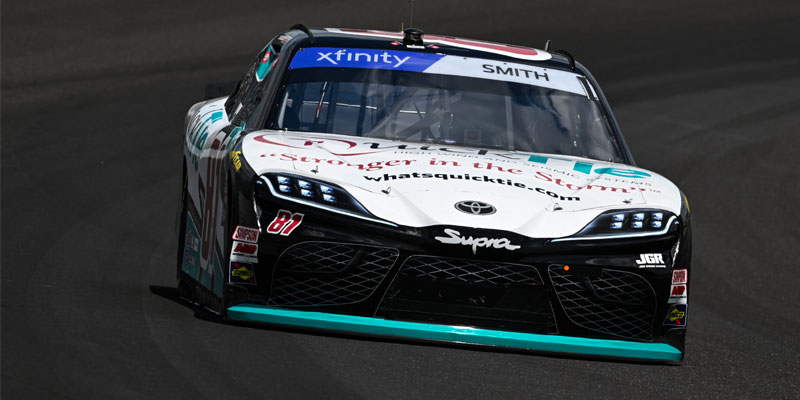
(418, 184)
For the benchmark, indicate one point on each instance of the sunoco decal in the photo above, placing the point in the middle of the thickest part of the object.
(242, 273)
(676, 315)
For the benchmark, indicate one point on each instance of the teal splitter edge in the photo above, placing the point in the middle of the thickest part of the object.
(457, 334)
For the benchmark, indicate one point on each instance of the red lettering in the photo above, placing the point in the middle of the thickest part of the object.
(296, 219)
(285, 223)
(437, 162)
(277, 224)
(543, 176)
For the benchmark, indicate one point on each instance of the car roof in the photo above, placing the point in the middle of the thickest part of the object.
(375, 39)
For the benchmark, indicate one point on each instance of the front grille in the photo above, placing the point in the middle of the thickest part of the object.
(470, 271)
(469, 292)
(326, 273)
(614, 302)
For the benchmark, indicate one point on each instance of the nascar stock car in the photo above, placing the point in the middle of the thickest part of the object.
(435, 188)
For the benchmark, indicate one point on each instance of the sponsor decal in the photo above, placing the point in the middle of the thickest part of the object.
(244, 249)
(212, 204)
(650, 260)
(246, 234)
(475, 207)
(677, 294)
(192, 240)
(558, 181)
(370, 166)
(200, 129)
(191, 250)
(536, 73)
(680, 276)
(347, 148)
(187, 258)
(454, 237)
(236, 160)
(363, 58)
(285, 223)
(242, 273)
(435, 63)
(676, 315)
(476, 178)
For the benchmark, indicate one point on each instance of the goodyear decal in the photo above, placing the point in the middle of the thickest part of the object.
(236, 159)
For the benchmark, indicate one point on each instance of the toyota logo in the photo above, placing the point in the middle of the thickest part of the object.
(475, 207)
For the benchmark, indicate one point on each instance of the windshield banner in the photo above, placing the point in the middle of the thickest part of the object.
(321, 57)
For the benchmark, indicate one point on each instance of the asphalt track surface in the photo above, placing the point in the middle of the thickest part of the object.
(93, 99)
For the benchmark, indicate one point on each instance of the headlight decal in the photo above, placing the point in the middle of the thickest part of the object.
(623, 224)
(316, 193)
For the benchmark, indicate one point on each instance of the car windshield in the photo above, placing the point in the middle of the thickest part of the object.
(443, 99)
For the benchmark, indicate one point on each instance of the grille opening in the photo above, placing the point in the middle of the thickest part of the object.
(618, 303)
(468, 292)
(326, 273)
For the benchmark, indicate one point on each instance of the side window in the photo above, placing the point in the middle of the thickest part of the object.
(235, 99)
(246, 94)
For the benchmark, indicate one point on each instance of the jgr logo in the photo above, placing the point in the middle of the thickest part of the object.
(650, 260)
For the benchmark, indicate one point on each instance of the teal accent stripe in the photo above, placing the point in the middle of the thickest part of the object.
(458, 334)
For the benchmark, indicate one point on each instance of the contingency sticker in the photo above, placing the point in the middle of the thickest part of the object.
(246, 234)
(191, 249)
(244, 249)
(677, 294)
(676, 315)
(242, 273)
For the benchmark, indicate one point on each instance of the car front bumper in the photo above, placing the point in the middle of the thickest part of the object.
(455, 334)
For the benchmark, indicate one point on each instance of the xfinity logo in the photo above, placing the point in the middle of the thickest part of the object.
(475, 207)
(454, 237)
(343, 55)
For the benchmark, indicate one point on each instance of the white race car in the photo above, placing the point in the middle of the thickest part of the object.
(434, 188)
